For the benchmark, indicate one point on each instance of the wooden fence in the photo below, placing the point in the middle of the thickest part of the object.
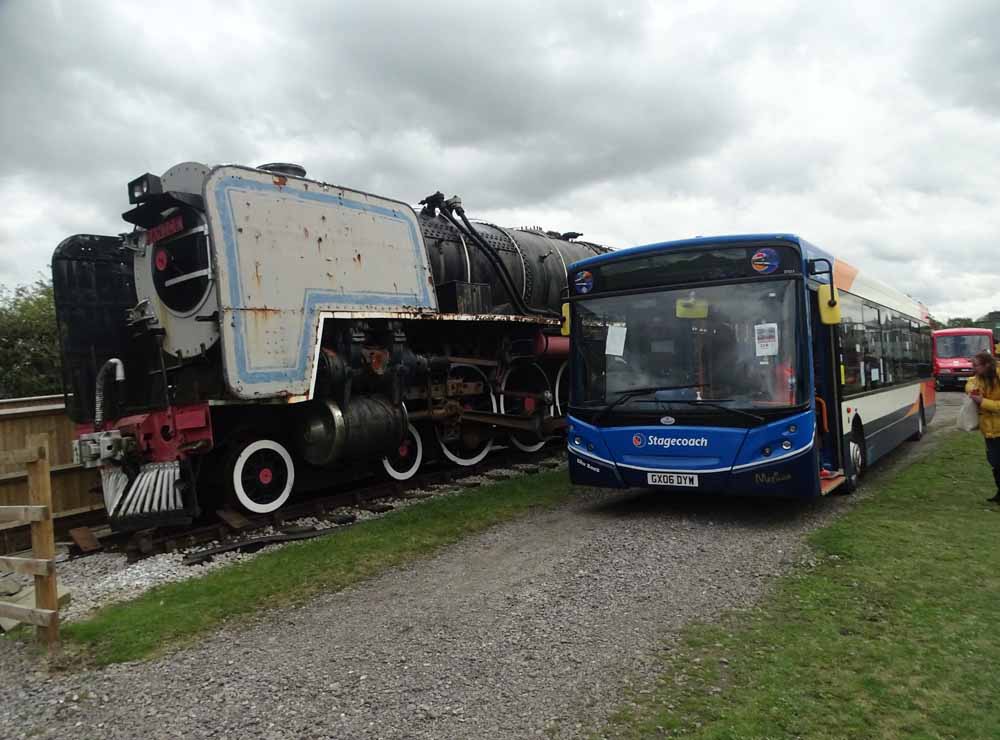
(35, 458)
(75, 490)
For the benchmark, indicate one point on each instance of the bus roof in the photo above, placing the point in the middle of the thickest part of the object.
(957, 331)
(846, 276)
(697, 241)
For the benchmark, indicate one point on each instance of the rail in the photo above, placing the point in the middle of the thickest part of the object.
(45, 614)
(76, 498)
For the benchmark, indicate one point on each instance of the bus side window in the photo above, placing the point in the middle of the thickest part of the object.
(873, 358)
(852, 338)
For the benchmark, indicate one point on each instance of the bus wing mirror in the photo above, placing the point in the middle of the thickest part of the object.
(829, 304)
(564, 329)
(691, 308)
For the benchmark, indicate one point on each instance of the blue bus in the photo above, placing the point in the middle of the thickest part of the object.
(748, 365)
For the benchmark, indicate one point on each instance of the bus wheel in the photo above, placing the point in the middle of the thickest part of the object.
(859, 459)
(921, 426)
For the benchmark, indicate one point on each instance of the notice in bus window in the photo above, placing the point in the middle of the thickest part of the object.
(767, 339)
(615, 343)
(876, 375)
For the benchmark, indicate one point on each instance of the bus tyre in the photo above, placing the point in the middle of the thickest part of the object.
(859, 459)
(921, 426)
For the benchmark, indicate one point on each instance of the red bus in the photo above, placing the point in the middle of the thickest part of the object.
(953, 352)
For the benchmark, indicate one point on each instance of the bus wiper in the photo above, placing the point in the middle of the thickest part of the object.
(630, 392)
(716, 403)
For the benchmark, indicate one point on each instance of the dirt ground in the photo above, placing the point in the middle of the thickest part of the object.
(535, 627)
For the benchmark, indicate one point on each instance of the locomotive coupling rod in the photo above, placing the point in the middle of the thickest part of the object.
(503, 421)
(439, 413)
(545, 396)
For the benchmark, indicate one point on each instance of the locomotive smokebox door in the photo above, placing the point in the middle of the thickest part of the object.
(286, 249)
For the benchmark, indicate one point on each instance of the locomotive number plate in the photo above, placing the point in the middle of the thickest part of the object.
(672, 479)
(167, 228)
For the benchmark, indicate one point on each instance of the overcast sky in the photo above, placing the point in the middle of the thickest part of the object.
(871, 129)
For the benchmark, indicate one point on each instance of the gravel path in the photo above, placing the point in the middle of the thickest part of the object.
(526, 629)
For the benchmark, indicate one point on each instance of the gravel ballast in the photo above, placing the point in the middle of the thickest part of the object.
(532, 628)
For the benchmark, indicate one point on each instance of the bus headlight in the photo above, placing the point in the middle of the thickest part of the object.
(786, 445)
(766, 452)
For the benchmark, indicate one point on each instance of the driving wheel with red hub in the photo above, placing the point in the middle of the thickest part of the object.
(404, 463)
(261, 475)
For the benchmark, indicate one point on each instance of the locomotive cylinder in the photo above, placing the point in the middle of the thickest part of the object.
(327, 434)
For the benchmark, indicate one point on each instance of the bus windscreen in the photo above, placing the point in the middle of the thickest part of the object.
(736, 344)
(962, 345)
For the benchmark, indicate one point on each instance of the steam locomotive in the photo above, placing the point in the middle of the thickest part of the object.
(259, 332)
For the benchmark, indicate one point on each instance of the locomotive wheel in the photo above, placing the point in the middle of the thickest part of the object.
(562, 389)
(406, 461)
(474, 440)
(526, 378)
(261, 473)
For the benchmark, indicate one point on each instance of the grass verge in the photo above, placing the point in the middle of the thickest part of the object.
(174, 613)
(891, 631)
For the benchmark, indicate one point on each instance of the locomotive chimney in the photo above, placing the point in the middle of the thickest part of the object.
(284, 168)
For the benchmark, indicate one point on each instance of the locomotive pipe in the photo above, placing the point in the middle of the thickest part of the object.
(119, 367)
(446, 207)
(547, 346)
(518, 300)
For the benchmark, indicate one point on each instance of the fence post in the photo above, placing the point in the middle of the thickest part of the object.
(43, 542)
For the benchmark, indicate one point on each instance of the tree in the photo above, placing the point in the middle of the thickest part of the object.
(29, 342)
(960, 322)
(991, 319)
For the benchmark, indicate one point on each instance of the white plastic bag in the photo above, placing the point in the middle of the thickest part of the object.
(968, 416)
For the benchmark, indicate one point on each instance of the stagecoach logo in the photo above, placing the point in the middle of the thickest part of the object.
(667, 420)
(765, 261)
(584, 281)
(642, 440)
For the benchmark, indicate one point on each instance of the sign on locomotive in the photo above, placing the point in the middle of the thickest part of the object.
(259, 332)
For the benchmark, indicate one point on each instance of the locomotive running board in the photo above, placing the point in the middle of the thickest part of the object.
(160, 494)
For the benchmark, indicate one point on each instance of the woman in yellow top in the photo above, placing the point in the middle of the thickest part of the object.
(984, 389)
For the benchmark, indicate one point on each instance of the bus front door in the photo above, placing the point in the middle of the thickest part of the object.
(825, 363)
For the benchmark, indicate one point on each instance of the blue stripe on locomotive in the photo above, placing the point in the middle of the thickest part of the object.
(313, 298)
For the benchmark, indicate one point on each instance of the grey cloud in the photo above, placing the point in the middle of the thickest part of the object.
(958, 58)
(636, 122)
(507, 103)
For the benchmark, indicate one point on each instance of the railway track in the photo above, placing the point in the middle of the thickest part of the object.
(228, 530)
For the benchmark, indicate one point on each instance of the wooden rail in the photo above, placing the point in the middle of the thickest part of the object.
(45, 615)
(75, 490)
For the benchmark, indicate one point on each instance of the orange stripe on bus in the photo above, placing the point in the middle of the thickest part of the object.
(844, 274)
